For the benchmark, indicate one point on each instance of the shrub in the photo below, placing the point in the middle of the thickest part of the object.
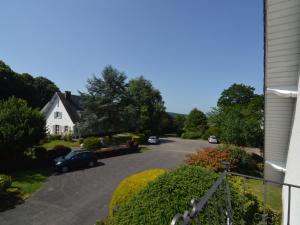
(192, 134)
(130, 186)
(92, 143)
(211, 131)
(61, 148)
(68, 137)
(81, 140)
(171, 193)
(210, 158)
(53, 137)
(140, 138)
(240, 160)
(5, 182)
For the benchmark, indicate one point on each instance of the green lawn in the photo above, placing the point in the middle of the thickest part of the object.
(273, 193)
(69, 144)
(29, 181)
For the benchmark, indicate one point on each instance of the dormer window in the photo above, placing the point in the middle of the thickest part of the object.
(57, 115)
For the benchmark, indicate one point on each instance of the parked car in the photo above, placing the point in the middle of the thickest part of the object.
(75, 159)
(153, 140)
(213, 140)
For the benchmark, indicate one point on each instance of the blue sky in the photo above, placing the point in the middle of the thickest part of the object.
(190, 49)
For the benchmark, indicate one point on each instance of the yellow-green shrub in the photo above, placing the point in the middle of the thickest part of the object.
(132, 185)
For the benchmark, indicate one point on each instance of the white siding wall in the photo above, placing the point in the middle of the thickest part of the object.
(282, 69)
(64, 121)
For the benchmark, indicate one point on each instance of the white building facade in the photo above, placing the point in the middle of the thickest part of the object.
(62, 114)
(282, 100)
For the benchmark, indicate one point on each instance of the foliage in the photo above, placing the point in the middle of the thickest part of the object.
(61, 148)
(130, 186)
(139, 137)
(53, 137)
(36, 91)
(236, 94)
(192, 134)
(92, 143)
(239, 116)
(68, 137)
(20, 127)
(215, 131)
(147, 105)
(171, 193)
(104, 104)
(51, 144)
(5, 182)
(210, 158)
(179, 121)
(195, 123)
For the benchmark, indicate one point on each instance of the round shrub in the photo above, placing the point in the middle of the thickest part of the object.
(92, 143)
(5, 182)
(130, 186)
(210, 158)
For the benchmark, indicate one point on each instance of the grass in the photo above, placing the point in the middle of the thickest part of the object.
(29, 181)
(24, 184)
(69, 144)
(274, 200)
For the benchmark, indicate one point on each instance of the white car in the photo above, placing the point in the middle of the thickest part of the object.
(213, 140)
(153, 140)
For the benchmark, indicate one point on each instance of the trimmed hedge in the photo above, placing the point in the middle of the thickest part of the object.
(171, 193)
(130, 186)
(92, 143)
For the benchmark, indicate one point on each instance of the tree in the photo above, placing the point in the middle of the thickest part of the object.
(179, 121)
(147, 103)
(36, 91)
(20, 127)
(104, 104)
(196, 122)
(239, 94)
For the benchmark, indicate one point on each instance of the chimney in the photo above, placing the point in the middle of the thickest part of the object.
(68, 95)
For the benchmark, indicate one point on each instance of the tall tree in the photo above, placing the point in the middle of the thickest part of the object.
(147, 103)
(239, 94)
(104, 103)
(196, 121)
(20, 127)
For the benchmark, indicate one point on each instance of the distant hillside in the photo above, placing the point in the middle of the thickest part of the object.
(176, 114)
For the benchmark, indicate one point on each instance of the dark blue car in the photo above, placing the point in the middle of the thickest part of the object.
(75, 159)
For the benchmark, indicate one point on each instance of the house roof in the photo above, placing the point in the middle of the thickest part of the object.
(73, 105)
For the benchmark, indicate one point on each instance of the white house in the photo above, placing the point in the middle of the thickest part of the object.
(282, 99)
(62, 114)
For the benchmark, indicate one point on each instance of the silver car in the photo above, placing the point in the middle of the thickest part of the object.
(153, 140)
(213, 140)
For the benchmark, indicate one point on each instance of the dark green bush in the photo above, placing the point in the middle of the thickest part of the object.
(192, 134)
(92, 143)
(5, 182)
(240, 160)
(169, 194)
(53, 137)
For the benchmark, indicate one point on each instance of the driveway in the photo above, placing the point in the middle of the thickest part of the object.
(82, 197)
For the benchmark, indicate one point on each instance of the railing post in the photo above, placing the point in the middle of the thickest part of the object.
(289, 205)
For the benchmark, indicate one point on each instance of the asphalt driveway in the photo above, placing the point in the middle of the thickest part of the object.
(82, 197)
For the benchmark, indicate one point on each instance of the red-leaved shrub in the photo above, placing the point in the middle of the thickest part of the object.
(210, 158)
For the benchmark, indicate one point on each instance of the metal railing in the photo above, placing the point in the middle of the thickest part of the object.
(215, 207)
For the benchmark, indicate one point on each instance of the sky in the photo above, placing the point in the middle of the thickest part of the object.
(191, 50)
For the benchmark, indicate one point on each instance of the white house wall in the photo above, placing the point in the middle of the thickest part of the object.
(281, 69)
(64, 121)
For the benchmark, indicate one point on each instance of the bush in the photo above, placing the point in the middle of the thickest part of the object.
(192, 134)
(92, 143)
(211, 131)
(61, 148)
(53, 137)
(210, 158)
(240, 160)
(140, 138)
(5, 182)
(81, 140)
(68, 137)
(171, 193)
(130, 186)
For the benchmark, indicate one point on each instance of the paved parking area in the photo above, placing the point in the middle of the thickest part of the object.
(82, 197)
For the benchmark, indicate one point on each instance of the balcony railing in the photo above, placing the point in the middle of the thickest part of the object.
(215, 207)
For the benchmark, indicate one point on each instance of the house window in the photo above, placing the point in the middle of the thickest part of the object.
(57, 115)
(66, 129)
(56, 129)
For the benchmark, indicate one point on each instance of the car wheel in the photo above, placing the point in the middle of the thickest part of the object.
(65, 169)
(91, 164)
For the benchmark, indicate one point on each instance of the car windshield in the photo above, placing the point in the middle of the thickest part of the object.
(153, 137)
(212, 136)
(70, 155)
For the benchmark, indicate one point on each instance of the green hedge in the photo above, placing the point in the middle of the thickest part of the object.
(171, 193)
(92, 143)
